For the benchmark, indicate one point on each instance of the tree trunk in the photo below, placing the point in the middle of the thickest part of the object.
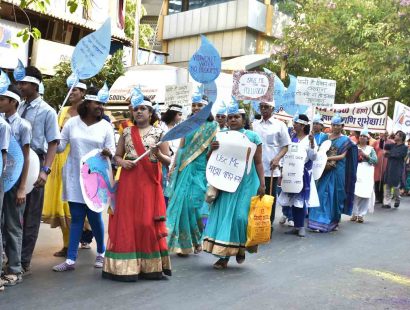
(356, 95)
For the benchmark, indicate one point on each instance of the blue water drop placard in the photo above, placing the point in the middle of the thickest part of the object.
(4, 82)
(91, 52)
(19, 72)
(14, 165)
(205, 64)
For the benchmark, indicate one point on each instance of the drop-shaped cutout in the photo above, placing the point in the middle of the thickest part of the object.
(104, 93)
(19, 72)
(137, 97)
(72, 80)
(205, 64)
(4, 82)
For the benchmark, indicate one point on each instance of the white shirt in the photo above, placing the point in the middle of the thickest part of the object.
(82, 140)
(275, 136)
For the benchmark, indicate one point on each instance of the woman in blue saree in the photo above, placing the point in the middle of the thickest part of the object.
(187, 187)
(336, 186)
(226, 230)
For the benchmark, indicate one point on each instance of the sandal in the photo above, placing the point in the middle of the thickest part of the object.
(240, 259)
(222, 263)
(182, 255)
(198, 249)
(61, 253)
(353, 218)
(360, 219)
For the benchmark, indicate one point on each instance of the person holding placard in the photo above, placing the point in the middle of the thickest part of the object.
(336, 186)
(300, 202)
(56, 212)
(85, 132)
(275, 139)
(365, 178)
(226, 230)
(44, 141)
(5, 135)
(15, 199)
(137, 245)
(318, 133)
(187, 187)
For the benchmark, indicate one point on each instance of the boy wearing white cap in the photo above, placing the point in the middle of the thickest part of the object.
(45, 137)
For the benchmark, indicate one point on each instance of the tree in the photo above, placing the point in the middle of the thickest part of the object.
(56, 87)
(362, 44)
(146, 31)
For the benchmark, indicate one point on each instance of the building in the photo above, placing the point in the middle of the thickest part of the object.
(236, 27)
(60, 29)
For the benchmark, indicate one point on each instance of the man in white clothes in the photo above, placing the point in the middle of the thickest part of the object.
(275, 139)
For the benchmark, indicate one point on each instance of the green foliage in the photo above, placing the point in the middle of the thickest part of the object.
(56, 87)
(287, 6)
(362, 44)
(146, 31)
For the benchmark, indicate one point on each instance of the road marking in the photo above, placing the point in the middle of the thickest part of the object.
(391, 276)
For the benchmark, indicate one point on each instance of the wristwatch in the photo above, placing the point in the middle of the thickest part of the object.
(46, 170)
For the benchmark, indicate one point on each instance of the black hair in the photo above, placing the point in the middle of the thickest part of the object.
(402, 135)
(82, 108)
(169, 115)
(34, 72)
(306, 128)
(13, 88)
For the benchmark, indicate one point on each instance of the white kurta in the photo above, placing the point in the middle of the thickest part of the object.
(82, 140)
(296, 200)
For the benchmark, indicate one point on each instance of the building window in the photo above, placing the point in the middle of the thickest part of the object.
(177, 6)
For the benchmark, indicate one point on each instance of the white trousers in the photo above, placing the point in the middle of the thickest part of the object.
(361, 205)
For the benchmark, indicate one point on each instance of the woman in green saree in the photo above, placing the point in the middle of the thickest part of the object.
(187, 188)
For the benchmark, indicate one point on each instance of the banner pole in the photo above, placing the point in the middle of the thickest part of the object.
(145, 154)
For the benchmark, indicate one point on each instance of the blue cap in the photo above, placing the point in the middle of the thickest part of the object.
(233, 107)
(137, 98)
(103, 94)
(337, 120)
(365, 132)
(41, 89)
(222, 109)
(296, 119)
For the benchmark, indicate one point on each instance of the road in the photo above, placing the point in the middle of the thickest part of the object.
(362, 266)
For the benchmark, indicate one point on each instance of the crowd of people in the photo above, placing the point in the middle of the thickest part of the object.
(160, 200)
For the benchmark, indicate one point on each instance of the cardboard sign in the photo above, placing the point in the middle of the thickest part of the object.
(401, 118)
(315, 92)
(97, 182)
(14, 165)
(248, 85)
(293, 167)
(372, 113)
(205, 64)
(226, 166)
(177, 94)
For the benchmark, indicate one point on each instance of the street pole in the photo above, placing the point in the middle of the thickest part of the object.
(136, 33)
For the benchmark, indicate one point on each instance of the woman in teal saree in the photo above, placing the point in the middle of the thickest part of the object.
(187, 188)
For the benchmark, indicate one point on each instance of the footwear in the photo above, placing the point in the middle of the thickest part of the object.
(198, 249)
(222, 263)
(360, 219)
(386, 206)
(11, 279)
(64, 267)
(294, 231)
(85, 246)
(182, 255)
(302, 232)
(283, 220)
(397, 204)
(353, 218)
(99, 261)
(291, 223)
(61, 253)
(26, 271)
(240, 259)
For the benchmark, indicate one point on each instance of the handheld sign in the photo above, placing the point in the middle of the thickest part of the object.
(226, 166)
(320, 163)
(97, 182)
(33, 171)
(91, 52)
(19, 72)
(293, 167)
(4, 82)
(14, 165)
(315, 92)
(205, 64)
(249, 85)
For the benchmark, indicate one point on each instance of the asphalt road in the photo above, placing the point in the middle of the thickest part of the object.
(362, 266)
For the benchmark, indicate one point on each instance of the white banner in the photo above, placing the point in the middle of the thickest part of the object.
(9, 55)
(226, 166)
(293, 167)
(372, 113)
(315, 91)
(178, 94)
(401, 118)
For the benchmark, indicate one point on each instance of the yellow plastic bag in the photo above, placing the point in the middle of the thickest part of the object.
(258, 230)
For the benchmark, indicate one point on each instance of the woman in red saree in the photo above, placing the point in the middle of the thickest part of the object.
(137, 245)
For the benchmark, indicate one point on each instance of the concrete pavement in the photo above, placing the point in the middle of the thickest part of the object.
(362, 266)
